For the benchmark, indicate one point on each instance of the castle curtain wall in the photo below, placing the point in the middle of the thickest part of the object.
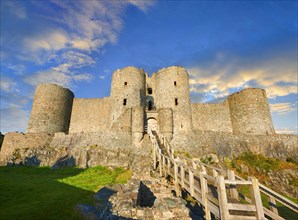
(211, 117)
(90, 115)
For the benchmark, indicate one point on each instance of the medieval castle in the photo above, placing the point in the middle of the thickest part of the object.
(138, 102)
(113, 130)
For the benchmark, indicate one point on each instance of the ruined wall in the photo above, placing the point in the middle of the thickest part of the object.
(51, 109)
(211, 117)
(90, 115)
(250, 112)
(172, 91)
(14, 141)
(127, 91)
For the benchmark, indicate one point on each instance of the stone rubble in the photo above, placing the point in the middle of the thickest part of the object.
(143, 197)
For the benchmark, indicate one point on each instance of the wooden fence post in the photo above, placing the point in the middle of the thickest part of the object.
(233, 189)
(222, 198)
(168, 145)
(272, 205)
(169, 165)
(182, 175)
(256, 198)
(204, 191)
(191, 183)
(160, 163)
(177, 188)
(154, 156)
(172, 153)
(214, 173)
(164, 166)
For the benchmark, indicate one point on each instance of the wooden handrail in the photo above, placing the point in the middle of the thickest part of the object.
(196, 183)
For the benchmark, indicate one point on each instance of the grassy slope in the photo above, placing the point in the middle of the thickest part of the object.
(42, 193)
(258, 166)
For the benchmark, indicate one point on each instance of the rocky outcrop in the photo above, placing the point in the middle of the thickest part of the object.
(143, 197)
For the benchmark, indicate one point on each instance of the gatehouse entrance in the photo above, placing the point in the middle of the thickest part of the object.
(152, 124)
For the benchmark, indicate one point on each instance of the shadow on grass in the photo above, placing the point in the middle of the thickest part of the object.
(36, 193)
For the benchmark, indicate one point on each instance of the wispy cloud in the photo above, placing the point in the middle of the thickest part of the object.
(277, 75)
(15, 7)
(57, 77)
(283, 108)
(13, 118)
(66, 72)
(17, 69)
(286, 131)
(7, 84)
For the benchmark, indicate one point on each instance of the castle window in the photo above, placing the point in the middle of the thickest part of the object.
(150, 105)
(176, 101)
(175, 83)
(149, 91)
(125, 83)
(124, 101)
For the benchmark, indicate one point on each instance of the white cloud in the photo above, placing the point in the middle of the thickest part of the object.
(277, 76)
(48, 40)
(17, 69)
(57, 77)
(286, 131)
(143, 5)
(282, 108)
(16, 8)
(90, 24)
(13, 119)
(65, 73)
(77, 59)
(7, 84)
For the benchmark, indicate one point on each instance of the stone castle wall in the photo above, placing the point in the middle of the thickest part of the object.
(15, 140)
(172, 91)
(212, 117)
(250, 112)
(243, 112)
(90, 115)
(51, 109)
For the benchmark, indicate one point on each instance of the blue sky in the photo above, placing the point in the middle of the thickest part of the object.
(225, 46)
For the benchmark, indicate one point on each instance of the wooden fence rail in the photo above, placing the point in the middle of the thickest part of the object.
(214, 188)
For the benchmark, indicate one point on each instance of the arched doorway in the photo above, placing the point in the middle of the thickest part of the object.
(152, 124)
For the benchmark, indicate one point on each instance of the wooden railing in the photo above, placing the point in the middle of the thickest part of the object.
(214, 188)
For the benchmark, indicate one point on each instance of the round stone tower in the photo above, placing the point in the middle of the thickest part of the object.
(51, 109)
(250, 112)
(172, 91)
(127, 90)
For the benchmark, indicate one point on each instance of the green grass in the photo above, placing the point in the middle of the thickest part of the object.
(42, 193)
(259, 166)
(282, 210)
